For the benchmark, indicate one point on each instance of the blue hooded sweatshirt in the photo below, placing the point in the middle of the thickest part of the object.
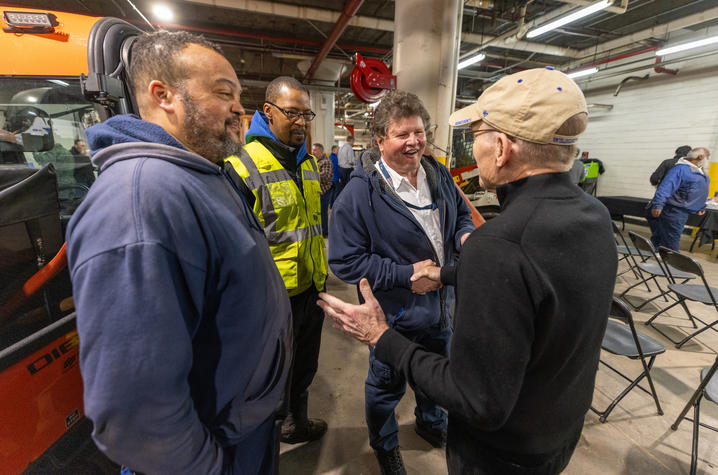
(183, 318)
(373, 234)
(682, 187)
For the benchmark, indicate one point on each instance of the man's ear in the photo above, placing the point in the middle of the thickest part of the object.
(267, 109)
(163, 95)
(503, 151)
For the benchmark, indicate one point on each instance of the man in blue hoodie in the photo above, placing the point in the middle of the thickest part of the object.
(182, 316)
(399, 213)
(284, 180)
(682, 192)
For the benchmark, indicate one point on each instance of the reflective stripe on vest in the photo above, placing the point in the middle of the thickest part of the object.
(291, 221)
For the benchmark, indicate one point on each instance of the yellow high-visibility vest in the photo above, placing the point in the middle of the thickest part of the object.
(291, 221)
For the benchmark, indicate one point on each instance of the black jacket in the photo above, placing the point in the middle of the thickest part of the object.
(657, 176)
(533, 289)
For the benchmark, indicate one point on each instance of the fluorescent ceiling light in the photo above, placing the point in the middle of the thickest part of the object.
(569, 18)
(163, 12)
(581, 73)
(470, 61)
(693, 44)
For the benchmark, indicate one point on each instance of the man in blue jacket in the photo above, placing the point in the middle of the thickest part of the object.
(400, 212)
(183, 319)
(682, 192)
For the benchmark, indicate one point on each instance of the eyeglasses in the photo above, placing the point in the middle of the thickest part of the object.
(294, 116)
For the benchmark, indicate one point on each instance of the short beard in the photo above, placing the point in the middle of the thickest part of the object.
(211, 145)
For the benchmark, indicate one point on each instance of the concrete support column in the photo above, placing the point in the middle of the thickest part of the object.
(426, 44)
(322, 103)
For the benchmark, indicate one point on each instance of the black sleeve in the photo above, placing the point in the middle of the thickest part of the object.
(658, 175)
(448, 275)
(494, 328)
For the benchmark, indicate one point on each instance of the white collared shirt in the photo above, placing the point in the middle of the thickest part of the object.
(420, 196)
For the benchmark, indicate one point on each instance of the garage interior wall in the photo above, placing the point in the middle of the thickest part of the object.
(649, 120)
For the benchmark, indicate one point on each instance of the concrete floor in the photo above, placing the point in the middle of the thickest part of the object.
(634, 440)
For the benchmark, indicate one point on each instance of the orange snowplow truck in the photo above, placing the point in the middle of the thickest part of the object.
(59, 74)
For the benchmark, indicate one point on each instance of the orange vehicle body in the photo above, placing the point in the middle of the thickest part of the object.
(41, 387)
(61, 53)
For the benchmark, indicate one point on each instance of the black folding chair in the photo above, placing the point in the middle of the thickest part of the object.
(708, 388)
(703, 293)
(649, 264)
(627, 253)
(622, 339)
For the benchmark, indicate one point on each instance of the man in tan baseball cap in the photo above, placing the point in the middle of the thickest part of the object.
(534, 287)
(535, 118)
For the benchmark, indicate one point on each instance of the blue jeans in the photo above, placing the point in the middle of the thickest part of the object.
(666, 230)
(385, 387)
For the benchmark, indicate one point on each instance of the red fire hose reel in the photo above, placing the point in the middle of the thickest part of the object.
(371, 79)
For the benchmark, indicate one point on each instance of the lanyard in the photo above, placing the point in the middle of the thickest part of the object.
(385, 172)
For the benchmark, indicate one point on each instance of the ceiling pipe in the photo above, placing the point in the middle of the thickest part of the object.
(278, 39)
(658, 31)
(349, 11)
(660, 69)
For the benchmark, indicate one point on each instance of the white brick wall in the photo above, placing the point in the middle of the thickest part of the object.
(649, 120)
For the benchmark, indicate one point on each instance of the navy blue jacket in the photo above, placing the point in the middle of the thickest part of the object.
(682, 187)
(373, 234)
(182, 315)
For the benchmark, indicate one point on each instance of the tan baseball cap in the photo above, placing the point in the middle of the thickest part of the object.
(530, 105)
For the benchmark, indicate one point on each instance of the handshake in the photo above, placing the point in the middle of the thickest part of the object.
(426, 277)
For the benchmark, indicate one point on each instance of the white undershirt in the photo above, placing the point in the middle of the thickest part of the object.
(419, 196)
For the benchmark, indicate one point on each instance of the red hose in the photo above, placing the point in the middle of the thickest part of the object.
(35, 283)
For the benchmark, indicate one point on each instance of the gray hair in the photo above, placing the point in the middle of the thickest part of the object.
(697, 153)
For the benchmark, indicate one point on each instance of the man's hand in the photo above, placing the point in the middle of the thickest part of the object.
(421, 285)
(464, 238)
(365, 322)
(432, 273)
(656, 212)
(6, 136)
(701, 213)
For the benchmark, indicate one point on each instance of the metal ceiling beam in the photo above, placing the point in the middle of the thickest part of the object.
(332, 16)
(297, 12)
(349, 10)
(658, 31)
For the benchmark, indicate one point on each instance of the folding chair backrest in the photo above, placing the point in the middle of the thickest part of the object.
(644, 246)
(620, 311)
(620, 239)
(681, 262)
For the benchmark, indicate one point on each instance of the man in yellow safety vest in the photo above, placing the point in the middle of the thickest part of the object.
(284, 180)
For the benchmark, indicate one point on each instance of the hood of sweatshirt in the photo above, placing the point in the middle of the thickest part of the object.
(259, 127)
(119, 138)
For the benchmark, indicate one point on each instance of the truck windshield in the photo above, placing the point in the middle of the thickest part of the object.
(45, 172)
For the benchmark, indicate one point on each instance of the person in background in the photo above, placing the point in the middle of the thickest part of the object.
(346, 160)
(682, 192)
(527, 334)
(399, 213)
(577, 170)
(284, 180)
(336, 182)
(657, 176)
(326, 173)
(83, 172)
(183, 318)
